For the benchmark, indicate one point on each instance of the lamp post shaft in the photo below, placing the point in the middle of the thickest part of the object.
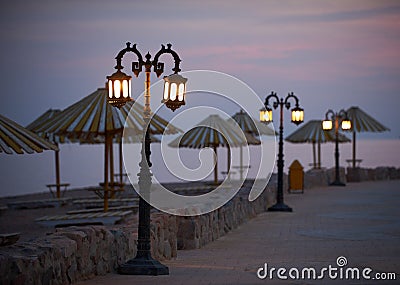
(143, 263)
(337, 181)
(119, 95)
(280, 206)
(337, 176)
(279, 196)
(143, 246)
(337, 118)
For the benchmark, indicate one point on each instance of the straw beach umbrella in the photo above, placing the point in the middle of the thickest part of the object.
(214, 132)
(312, 132)
(37, 123)
(252, 127)
(362, 122)
(93, 117)
(16, 139)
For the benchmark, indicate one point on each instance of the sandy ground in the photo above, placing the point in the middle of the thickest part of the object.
(23, 220)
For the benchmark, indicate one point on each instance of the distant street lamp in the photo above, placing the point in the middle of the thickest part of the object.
(336, 118)
(297, 118)
(120, 92)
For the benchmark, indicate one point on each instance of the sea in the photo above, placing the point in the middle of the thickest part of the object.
(82, 165)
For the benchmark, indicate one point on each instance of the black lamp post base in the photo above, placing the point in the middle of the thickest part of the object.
(280, 207)
(337, 183)
(143, 266)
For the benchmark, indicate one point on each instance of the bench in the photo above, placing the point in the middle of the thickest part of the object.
(103, 218)
(36, 204)
(98, 203)
(350, 162)
(225, 173)
(100, 191)
(54, 194)
(9, 238)
(132, 208)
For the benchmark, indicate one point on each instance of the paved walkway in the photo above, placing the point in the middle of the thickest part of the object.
(360, 222)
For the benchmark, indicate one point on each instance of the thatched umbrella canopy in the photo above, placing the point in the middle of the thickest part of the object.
(214, 132)
(16, 139)
(312, 132)
(362, 122)
(93, 117)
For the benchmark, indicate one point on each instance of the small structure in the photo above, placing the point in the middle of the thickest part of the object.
(296, 177)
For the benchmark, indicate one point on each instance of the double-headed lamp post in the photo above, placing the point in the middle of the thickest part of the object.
(297, 118)
(119, 86)
(336, 118)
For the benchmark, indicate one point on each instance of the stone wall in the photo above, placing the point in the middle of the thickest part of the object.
(322, 177)
(78, 253)
(195, 232)
(359, 174)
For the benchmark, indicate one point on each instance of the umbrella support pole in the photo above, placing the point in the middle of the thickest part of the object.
(112, 184)
(106, 157)
(241, 163)
(354, 149)
(228, 165)
(57, 156)
(314, 160)
(120, 164)
(319, 156)
(215, 165)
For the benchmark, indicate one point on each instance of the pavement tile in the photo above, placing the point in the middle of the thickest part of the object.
(360, 222)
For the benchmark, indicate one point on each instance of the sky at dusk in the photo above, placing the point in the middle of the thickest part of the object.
(331, 54)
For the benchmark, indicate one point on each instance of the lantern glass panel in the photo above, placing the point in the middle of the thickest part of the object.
(166, 90)
(181, 91)
(297, 116)
(172, 95)
(346, 125)
(125, 89)
(117, 88)
(110, 89)
(327, 125)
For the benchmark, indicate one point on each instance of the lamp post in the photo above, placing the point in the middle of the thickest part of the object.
(119, 85)
(336, 118)
(297, 118)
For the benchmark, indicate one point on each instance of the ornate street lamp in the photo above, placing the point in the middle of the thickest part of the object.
(336, 118)
(120, 92)
(297, 118)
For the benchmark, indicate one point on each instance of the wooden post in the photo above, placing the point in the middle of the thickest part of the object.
(228, 167)
(215, 165)
(354, 148)
(105, 197)
(314, 156)
(241, 163)
(57, 155)
(319, 155)
(112, 184)
(120, 163)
